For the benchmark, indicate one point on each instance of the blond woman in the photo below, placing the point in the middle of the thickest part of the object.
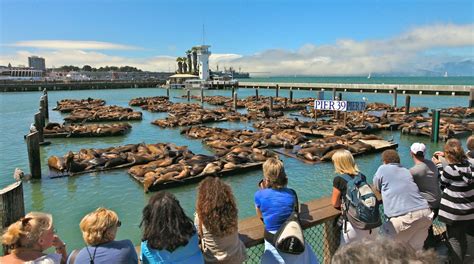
(344, 164)
(99, 229)
(28, 237)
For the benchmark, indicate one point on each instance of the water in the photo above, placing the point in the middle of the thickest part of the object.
(69, 199)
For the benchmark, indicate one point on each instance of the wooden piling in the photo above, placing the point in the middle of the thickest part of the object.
(46, 104)
(32, 143)
(233, 91)
(277, 90)
(333, 93)
(188, 95)
(407, 104)
(38, 126)
(202, 95)
(340, 96)
(471, 97)
(256, 94)
(168, 93)
(271, 104)
(291, 95)
(234, 102)
(395, 93)
(435, 117)
(12, 206)
(286, 102)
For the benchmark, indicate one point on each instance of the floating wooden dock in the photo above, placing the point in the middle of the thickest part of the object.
(199, 177)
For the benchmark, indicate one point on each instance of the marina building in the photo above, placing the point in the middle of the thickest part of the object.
(37, 63)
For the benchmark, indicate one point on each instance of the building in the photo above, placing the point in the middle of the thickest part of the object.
(203, 53)
(36, 63)
(20, 74)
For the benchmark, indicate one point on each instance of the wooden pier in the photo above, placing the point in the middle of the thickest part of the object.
(458, 90)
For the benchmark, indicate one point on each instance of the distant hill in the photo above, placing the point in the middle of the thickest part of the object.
(463, 68)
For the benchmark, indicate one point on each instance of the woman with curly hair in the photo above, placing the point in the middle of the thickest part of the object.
(168, 234)
(216, 220)
(29, 237)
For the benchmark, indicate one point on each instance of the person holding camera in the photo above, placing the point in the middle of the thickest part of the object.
(274, 204)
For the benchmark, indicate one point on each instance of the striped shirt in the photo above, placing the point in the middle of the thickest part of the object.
(457, 201)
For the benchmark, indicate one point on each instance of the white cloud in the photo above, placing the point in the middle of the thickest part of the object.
(404, 52)
(71, 44)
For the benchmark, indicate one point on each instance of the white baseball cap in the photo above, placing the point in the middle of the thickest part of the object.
(416, 148)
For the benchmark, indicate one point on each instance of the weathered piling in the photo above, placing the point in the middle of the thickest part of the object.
(277, 90)
(286, 102)
(234, 102)
(233, 91)
(340, 96)
(202, 95)
(256, 94)
(395, 93)
(435, 117)
(271, 104)
(12, 206)
(46, 104)
(407, 104)
(39, 127)
(333, 93)
(168, 92)
(32, 144)
(188, 94)
(291, 95)
(471, 97)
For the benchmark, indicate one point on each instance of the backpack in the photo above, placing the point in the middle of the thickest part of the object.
(289, 238)
(360, 205)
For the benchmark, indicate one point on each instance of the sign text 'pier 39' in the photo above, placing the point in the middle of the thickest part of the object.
(331, 105)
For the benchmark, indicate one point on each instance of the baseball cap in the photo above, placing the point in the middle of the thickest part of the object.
(418, 149)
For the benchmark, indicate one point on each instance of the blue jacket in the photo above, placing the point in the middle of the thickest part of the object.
(190, 253)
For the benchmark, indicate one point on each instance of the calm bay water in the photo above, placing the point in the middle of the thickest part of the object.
(69, 199)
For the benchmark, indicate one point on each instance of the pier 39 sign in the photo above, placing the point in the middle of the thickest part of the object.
(331, 105)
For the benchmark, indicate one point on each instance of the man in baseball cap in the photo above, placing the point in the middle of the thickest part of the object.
(425, 175)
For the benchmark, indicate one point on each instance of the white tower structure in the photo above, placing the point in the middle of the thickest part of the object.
(203, 58)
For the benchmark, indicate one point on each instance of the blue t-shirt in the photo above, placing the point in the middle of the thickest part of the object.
(400, 194)
(118, 252)
(190, 253)
(276, 206)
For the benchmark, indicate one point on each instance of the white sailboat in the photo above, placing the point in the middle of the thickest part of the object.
(368, 77)
(445, 74)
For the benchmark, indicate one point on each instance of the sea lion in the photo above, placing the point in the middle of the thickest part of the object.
(211, 168)
(57, 163)
(184, 173)
(167, 177)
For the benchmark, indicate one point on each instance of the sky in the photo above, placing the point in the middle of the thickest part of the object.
(262, 37)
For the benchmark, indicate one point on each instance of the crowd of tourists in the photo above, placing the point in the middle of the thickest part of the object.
(441, 187)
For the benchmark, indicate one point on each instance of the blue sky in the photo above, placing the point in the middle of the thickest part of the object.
(149, 34)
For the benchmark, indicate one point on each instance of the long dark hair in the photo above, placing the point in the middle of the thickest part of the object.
(164, 223)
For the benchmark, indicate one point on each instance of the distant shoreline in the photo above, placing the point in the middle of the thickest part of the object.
(83, 85)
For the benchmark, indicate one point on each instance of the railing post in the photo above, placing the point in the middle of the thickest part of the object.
(407, 104)
(32, 144)
(395, 92)
(330, 240)
(435, 116)
(12, 206)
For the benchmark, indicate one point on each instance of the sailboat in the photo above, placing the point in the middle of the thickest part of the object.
(445, 74)
(368, 77)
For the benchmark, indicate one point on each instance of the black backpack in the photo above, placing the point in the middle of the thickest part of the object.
(360, 206)
(289, 238)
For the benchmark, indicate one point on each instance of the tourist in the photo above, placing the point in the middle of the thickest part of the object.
(99, 229)
(457, 201)
(408, 214)
(344, 164)
(425, 175)
(216, 219)
(168, 234)
(274, 203)
(382, 250)
(470, 150)
(29, 237)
